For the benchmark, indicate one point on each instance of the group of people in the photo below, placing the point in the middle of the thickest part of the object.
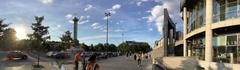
(138, 57)
(91, 65)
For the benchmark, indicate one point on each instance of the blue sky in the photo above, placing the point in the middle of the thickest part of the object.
(139, 20)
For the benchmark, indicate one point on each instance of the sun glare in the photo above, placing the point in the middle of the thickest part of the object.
(21, 33)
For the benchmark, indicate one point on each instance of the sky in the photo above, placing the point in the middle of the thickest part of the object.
(137, 20)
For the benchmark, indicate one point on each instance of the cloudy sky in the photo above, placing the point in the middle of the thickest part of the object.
(139, 20)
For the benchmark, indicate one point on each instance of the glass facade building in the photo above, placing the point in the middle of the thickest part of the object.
(209, 36)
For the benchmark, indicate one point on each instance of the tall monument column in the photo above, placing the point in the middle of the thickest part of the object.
(75, 20)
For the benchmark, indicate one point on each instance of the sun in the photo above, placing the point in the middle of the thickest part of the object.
(21, 33)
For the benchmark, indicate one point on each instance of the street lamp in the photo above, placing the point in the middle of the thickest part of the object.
(107, 15)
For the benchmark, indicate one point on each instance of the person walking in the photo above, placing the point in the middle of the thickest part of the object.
(77, 58)
(139, 59)
(92, 65)
(135, 57)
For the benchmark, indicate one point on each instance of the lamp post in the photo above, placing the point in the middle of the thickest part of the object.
(107, 15)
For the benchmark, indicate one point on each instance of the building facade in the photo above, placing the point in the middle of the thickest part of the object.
(212, 32)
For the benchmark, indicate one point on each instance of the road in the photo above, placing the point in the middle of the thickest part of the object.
(114, 63)
(123, 63)
(22, 64)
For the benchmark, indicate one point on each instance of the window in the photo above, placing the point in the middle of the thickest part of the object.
(232, 40)
(231, 9)
(197, 16)
(225, 9)
(226, 48)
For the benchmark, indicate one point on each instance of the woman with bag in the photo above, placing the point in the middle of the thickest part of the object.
(92, 65)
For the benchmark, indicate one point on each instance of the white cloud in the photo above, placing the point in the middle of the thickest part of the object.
(118, 23)
(156, 13)
(82, 19)
(118, 30)
(97, 37)
(97, 27)
(139, 3)
(83, 22)
(46, 1)
(94, 24)
(59, 26)
(114, 8)
(88, 17)
(150, 29)
(88, 7)
(105, 18)
(69, 16)
(144, 0)
(158, 1)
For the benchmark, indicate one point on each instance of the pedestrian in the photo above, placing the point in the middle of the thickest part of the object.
(77, 58)
(135, 57)
(139, 59)
(92, 65)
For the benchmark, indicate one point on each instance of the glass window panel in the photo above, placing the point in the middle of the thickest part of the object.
(215, 41)
(231, 9)
(232, 40)
(221, 41)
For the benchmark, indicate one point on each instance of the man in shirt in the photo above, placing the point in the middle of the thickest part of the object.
(77, 58)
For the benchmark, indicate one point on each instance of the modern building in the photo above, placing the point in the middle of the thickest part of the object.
(171, 43)
(212, 32)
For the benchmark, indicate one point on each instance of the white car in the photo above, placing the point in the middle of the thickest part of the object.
(50, 54)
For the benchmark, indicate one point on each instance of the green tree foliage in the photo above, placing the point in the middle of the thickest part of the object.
(2, 28)
(84, 46)
(9, 39)
(99, 47)
(40, 34)
(23, 44)
(134, 47)
(66, 41)
(113, 48)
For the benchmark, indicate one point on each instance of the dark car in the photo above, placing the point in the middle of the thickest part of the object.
(16, 55)
(61, 55)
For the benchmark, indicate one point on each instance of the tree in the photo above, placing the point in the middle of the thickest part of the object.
(134, 47)
(84, 46)
(2, 28)
(112, 48)
(40, 34)
(66, 40)
(99, 47)
(9, 38)
(91, 48)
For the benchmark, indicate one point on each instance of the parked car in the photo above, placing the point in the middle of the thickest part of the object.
(12, 55)
(86, 54)
(50, 54)
(102, 56)
(61, 55)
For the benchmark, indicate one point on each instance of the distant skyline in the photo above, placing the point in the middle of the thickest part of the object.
(139, 20)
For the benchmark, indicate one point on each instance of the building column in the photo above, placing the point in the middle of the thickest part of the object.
(185, 32)
(208, 31)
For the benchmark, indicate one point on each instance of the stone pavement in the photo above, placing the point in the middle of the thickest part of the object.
(124, 63)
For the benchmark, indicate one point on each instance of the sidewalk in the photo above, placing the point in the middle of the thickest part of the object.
(124, 63)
